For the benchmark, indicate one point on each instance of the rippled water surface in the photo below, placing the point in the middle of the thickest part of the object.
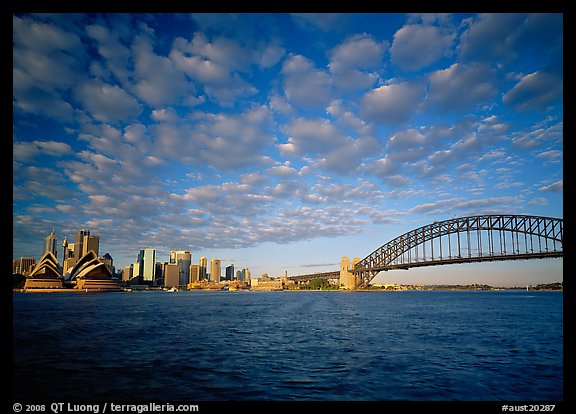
(415, 345)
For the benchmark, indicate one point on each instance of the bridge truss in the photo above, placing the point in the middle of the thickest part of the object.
(465, 240)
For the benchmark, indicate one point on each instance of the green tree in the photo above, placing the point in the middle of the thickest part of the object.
(319, 284)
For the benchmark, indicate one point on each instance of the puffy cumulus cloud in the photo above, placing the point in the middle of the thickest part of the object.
(328, 146)
(426, 152)
(392, 104)
(349, 157)
(304, 85)
(158, 82)
(351, 58)
(222, 141)
(46, 62)
(114, 52)
(313, 136)
(418, 46)
(506, 36)
(539, 90)
(214, 65)
(26, 151)
(106, 102)
(348, 119)
(461, 86)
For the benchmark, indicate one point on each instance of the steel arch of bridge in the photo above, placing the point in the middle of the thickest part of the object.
(465, 240)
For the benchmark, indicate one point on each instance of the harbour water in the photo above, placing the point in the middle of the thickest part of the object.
(312, 346)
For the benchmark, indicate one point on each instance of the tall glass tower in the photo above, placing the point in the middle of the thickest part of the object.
(147, 268)
(50, 244)
(183, 259)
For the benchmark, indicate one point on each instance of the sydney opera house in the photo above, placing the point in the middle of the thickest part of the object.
(89, 274)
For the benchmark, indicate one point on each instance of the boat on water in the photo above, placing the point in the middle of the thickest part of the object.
(173, 289)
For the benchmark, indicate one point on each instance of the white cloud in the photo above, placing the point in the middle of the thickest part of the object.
(538, 90)
(105, 102)
(461, 86)
(305, 85)
(313, 136)
(350, 60)
(555, 187)
(392, 104)
(418, 46)
(158, 82)
(26, 151)
(214, 65)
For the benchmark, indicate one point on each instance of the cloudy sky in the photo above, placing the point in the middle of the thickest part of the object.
(283, 142)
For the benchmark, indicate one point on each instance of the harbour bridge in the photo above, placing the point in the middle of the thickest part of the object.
(483, 238)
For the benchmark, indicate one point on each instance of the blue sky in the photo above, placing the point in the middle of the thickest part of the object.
(282, 142)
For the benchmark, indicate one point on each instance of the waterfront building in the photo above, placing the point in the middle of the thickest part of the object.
(15, 266)
(268, 283)
(91, 274)
(50, 244)
(203, 263)
(246, 272)
(229, 272)
(240, 275)
(183, 259)
(147, 268)
(194, 273)
(108, 261)
(127, 273)
(27, 265)
(136, 269)
(46, 275)
(215, 270)
(171, 275)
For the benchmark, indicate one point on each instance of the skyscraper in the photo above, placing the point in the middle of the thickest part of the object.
(194, 273)
(183, 259)
(79, 242)
(148, 265)
(50, 244)
(215, 270)
(203, 263)
(90, 243)
(230, 272)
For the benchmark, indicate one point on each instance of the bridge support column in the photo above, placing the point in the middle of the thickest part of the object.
(347, 280)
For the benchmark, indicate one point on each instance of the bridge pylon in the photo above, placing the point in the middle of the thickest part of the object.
(348, 280)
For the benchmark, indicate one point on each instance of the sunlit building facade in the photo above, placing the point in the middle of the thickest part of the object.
(215, 270)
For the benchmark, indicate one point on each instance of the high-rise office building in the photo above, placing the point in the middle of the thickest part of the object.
(194, 273)
(50, 244)
(203, 263)
(147, 270)
(79, 242)
(127, 273)
(183, 259)
(90, 243)
(230, 272)
(27, 265)
(215, 270)
(171, 275)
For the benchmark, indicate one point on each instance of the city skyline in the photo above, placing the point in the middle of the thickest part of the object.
(283, 142)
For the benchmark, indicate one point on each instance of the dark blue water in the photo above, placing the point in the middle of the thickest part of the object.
(415, 345)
